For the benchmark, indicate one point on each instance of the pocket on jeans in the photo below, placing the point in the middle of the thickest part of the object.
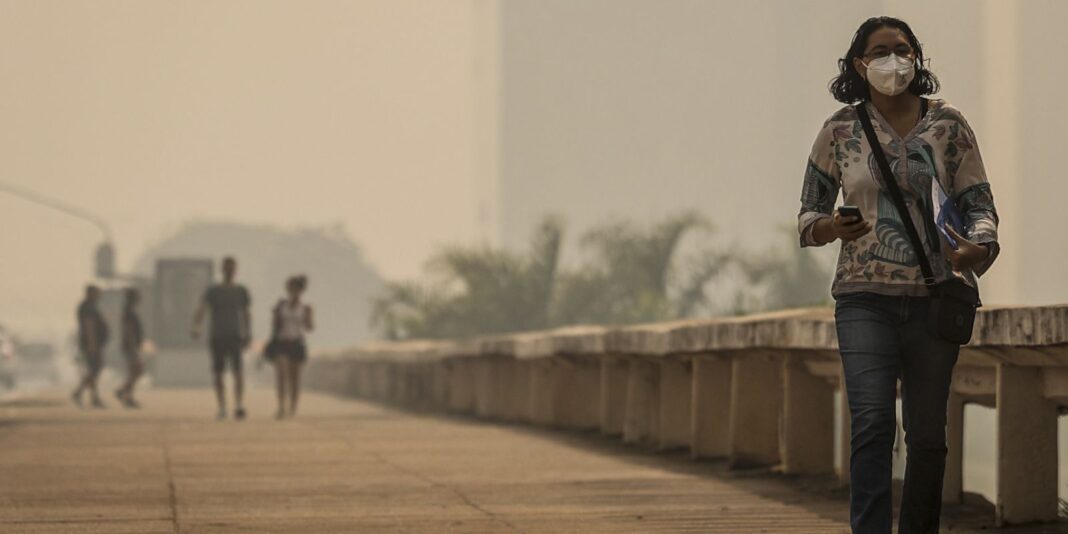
(845, 304)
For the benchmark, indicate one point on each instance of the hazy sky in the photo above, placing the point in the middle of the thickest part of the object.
(151, 112)
(362, 113)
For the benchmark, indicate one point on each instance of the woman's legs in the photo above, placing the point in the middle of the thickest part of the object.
(91, 380)
(294, 384)
(281, 366)
(134, 369)
(94, 361)
(927, 370)
(869, 342)
(138, 369)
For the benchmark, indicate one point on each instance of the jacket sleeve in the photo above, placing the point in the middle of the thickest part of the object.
(971, 190)
(820, 188)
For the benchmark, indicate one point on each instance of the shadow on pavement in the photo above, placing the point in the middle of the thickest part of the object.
(822, 495)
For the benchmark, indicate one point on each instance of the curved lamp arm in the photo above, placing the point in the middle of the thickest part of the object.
(59, 206)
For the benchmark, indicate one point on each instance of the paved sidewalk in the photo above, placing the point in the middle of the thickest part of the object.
(347, 466)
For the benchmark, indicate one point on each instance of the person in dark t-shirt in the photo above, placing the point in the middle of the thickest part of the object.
(229, 333)
(133, 336)
(92, 336)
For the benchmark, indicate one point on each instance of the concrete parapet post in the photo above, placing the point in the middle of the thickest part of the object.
(578, 393)
(710, 409)
(520, 394)
(439, 385)
(320, 373)
(348, 377)
(410, 377)
(366, 378)
(674, 415)
(493, 387)
(640, 421)
(1026, 448)
(807, 445)
(461, 385)
(542, 400)
(953, 481)
(315, 374)
(367, 370)
(397, 376)
(383, 381)
(484, 385)
(506, 393)
(378, 382)
(614, 375)
(329, 376)
(756, 404)
(420, 393)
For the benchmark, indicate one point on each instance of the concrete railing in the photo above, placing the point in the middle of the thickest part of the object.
(756, 390)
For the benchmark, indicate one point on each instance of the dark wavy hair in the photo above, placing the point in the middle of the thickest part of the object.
(849, 88)
(299, 281)
(130, 296)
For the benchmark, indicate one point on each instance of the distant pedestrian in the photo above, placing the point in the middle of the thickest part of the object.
(133, 337)
(292, 318)
(92, 337)
(229, 335)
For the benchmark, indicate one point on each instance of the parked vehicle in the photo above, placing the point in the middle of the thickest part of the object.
(37, 361)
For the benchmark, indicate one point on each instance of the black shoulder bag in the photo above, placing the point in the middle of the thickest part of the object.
(953, 302)
(276, 326)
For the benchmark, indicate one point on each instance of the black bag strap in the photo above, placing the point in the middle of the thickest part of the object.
(890, 182)
(276, 318)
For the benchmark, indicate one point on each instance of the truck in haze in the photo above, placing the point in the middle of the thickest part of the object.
(179, 285)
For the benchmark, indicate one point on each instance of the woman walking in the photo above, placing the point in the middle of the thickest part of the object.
(92, 338)
(898, 261)
(287, 349)
(133, 337)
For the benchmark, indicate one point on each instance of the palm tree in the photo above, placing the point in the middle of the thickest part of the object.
(784, 277)
(631, 277)
(636, 274)
(476, 291)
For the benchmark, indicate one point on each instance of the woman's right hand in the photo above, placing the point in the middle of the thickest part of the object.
(836, 226)
(849, 228)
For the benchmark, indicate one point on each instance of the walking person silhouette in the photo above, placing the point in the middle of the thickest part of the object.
(133, 336)
(292, 319)
(92, 337)
(229, 335)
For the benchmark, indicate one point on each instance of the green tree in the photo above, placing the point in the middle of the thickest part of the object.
(475, 291)
(784, 276)
(633, 276)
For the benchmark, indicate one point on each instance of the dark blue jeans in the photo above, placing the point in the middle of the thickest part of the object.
(884, 339)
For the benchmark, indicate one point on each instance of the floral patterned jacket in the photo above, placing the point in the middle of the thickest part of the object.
(941, 147)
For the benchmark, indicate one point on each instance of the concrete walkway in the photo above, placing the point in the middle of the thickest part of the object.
(346, 466)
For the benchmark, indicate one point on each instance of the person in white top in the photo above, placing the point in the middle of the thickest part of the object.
(287, 348)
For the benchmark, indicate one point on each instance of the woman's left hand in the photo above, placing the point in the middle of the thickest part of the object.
(967, 253)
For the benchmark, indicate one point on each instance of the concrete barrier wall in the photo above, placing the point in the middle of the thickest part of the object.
(756, 390)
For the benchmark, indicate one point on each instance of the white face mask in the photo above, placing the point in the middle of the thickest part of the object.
(891, 75)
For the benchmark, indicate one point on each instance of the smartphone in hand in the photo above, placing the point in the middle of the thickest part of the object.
(851, 211)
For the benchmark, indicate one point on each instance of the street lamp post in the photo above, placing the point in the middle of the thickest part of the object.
(104, 259)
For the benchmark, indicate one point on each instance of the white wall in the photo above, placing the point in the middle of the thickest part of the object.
(641, 109)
